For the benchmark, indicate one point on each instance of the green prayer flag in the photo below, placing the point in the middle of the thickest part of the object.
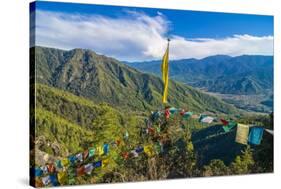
(91, 152)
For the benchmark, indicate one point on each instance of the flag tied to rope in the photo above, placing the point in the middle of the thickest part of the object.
(255, 135)
(242, 134)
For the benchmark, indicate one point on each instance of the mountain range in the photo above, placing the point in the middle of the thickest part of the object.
(104, 79)
(242, 75)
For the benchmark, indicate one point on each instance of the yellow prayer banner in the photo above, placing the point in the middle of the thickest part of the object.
(165, 74)
(62, 177)
(65, 162)
(242, 134)
(99, 150)
(148, 150)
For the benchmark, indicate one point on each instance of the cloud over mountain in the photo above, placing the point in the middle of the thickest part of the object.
(137, 36)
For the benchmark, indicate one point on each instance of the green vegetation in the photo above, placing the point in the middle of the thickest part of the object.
(85, 100)
(103, 79)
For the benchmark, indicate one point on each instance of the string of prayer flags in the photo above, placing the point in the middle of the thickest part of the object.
(207, 119)
(242, 134)
(269, 131)
(255, 135)
(229, 126)
(91, 152)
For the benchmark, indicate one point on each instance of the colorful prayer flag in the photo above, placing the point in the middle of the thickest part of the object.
(91, 152)
(85, 154)
(173, 110)
(187, 115)
(255, 135)
(58, 164)
(51, 168)
(224, 122)
(230, 125)
(165, 74)
(65, 162)
(72, 159)
(46, 180)
(54, 180)
(98, 164)
(148, 150)
(242, 134)
(105, 162)
(38, 172)
(62, 177)
(99, 150)
(207, 119)
(139, 149)
(79, 157)
(88, 168)
(106, 148)
(80, 171)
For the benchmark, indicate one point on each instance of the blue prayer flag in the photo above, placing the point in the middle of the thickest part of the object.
(38, 172)
(105, 148)
(72, 159)
(255, 136)
(54, 180)
(139, 149)
(98, 164)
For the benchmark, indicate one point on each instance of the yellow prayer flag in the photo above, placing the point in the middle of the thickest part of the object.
(148, 150)
(105, 162)
(242, 134)
(99, 150)
(62, 177)
(65, 162)
(165, 73)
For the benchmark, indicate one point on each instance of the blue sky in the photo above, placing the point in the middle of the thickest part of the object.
(136, 34)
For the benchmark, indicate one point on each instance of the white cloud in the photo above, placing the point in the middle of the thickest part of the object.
(137, 36)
